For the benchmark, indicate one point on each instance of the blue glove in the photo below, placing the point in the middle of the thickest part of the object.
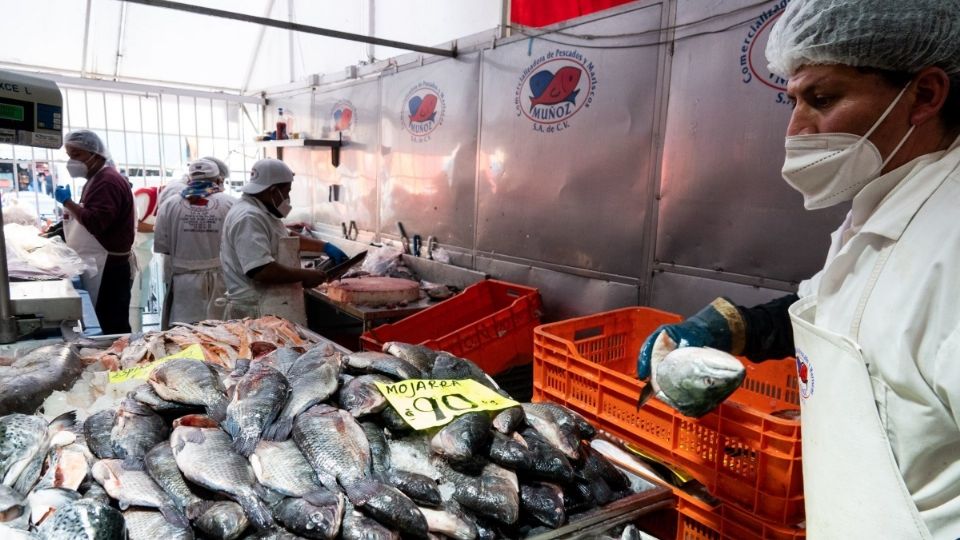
(335, 254)
(62, 194)
(719, 326)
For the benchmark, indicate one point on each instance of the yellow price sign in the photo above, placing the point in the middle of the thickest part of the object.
(193, 352)
(426, 403)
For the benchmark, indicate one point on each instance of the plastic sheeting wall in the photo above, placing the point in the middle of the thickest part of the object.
(611, 171)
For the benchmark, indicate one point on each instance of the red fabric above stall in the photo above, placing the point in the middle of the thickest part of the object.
(545, 12)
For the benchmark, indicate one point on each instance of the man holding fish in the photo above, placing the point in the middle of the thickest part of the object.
(876, 333)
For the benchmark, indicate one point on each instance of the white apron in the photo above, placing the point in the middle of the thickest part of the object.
(284, 301)
(89, 248)
(193, 291)
(852, 484)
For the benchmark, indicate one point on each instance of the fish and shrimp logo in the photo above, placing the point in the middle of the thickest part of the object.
(752, 53)
(343, 115)
(423, 110)
(554, 88)
(804, 375)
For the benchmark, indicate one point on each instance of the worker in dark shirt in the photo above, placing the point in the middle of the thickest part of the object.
(100, 228)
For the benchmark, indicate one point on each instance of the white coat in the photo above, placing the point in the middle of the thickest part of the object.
(190, 235)
(909, 331)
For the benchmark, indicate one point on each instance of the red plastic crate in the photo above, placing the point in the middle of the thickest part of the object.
(740, 451)
(490, 322)
(696, 520)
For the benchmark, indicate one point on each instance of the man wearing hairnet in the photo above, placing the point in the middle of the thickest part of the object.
(877, 331)
(100, 228)
(261, 260)
(188, 233)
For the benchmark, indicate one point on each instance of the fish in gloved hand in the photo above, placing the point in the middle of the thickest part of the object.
(693, 380)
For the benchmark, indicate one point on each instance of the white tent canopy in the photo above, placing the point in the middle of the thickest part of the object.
(131, 42)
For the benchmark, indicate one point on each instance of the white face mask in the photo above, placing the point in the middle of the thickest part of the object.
(831, 168)
(284, 207)
(77, 168)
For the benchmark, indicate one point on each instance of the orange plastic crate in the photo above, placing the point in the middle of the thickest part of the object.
(490, 322)
(697, 520)
(740, 451)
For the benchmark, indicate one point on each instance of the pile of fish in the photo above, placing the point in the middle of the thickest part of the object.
(298, 445)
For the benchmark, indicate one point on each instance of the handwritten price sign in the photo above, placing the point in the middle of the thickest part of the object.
(425, 403)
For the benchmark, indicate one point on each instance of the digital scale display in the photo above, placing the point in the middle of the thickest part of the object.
(11, 112)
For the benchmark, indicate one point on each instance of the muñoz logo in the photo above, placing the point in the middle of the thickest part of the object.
(423, 110)
(753, 59)
(343, 115)
(804, 375)
(554, 88)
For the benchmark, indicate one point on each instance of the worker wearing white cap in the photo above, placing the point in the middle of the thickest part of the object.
(261, 264)
(876, 333)
(188, 232)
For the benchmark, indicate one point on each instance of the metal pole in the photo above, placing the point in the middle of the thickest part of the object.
(294, 26)
(8, 325)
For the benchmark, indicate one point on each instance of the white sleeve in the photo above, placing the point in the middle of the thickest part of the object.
(250, 238)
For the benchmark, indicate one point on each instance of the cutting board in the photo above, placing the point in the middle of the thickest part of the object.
(373, 291)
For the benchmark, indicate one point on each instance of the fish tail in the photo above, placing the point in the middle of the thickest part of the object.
(197, 508)
(256, 511)
(174, 516)
(64, 421)
(244, 444)
(279, 430)
(218, 410)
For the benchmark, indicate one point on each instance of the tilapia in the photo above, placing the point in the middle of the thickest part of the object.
(14, 511)
(560, 426)
(27, 382)
(361, 396)
(509, 420)
(379, 451)
(313, 379)
(596, 466)
(511, 452)
(24, 441)
(317, 515)
(392, 420)
(148, 396)
(281, 359)
(223, 520)
(548, 462)
(388, 505)
(206, 457)
(494, 494)
(136, 429)
(694, 380)
(257, 399)
(97, 430)
(448, 366)
(544, 502)
(44, 502)
(360, 361)
(97, 494)
(333, 443)
(449, 522)
(161, 465)
(422, 489)
(466, 437)
(150, 525)
(420, 356)
(356, 526)
(281, 467)
(67, 467)
(84, 520)
(128, 483)
(190, 382)
(395, 368)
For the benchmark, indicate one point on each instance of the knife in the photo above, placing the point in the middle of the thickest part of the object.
(341, 269)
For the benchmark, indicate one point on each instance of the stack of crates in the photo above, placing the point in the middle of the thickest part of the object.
(746, 452)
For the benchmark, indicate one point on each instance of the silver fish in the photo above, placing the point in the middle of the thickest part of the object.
(24, 442)
(257, 399)
(281, 467)
(83, 520)
(223, 520)
(418, 355)
(318, 515)
(395, 368)
(128, 483)
(694, 380)
(379, 451)
(360, 361)
(96, 431)
(13, 509)
(44, 502)
(466, 437)
(148, 396)
(162, 467)
(313, 379)
(190, 382)
(387, 505)
(97, 494)
(333, 443)
(150, 525)
(494, 494)
(361, 396)
(449, 522)
(136, 429)
(206, 457)
(29, 380)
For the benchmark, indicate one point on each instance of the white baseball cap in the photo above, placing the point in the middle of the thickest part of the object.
(203, 169)
(266, 173)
